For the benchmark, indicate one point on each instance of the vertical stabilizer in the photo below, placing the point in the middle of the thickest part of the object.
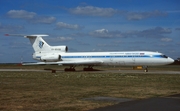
(38, 44)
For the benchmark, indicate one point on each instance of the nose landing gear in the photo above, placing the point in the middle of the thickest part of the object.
(145, 68)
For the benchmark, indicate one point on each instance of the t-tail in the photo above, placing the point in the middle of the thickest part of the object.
(40, 45)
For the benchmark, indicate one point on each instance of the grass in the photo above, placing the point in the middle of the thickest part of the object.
(65, 91)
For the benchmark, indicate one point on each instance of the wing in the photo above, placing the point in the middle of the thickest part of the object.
(84, 62)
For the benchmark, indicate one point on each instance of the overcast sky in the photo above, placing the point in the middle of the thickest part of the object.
(90, 25)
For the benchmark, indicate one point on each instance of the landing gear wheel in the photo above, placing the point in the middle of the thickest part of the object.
(69, 69)
(146, 70)
(88, 69)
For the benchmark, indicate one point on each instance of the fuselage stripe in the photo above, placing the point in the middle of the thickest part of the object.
(119, 56)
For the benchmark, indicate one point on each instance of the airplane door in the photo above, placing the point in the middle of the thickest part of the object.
(121, 63)
(133, 60)
(87, 57)
(111, 60)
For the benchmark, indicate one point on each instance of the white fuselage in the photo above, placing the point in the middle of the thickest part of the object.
(128, 58)
(58, 55)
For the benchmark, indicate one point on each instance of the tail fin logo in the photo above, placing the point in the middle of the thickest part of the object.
(41, 44)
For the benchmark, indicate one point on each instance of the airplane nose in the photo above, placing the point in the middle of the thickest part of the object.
(170, 60)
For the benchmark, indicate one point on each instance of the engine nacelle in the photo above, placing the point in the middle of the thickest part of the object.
(51, 58)
(59, 48)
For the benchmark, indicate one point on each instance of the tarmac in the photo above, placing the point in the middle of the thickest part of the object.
(103, 71)
(19, 70)
(170, 103)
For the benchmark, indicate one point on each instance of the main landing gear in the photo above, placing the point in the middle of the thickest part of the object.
(89, 68)
(72, 68)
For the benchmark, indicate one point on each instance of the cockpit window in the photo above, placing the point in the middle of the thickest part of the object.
(164, 56)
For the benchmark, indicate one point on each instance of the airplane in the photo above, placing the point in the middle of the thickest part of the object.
(59, 55)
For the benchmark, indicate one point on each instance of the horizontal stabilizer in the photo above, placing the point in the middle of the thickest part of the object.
(27, 36)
